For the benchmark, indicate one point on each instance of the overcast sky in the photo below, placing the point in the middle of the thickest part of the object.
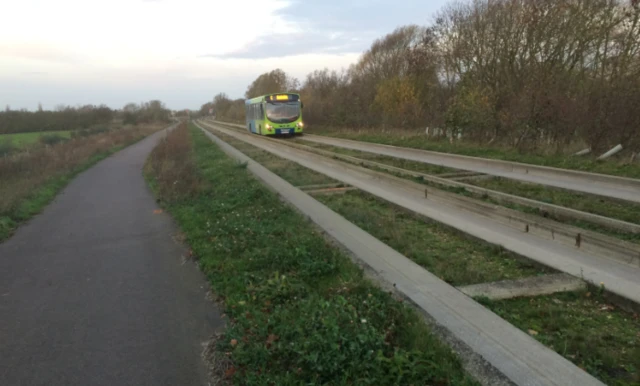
(180, 51)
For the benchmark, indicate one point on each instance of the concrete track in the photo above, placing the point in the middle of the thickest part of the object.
(600, 184)
(619, 278)
(494, 351)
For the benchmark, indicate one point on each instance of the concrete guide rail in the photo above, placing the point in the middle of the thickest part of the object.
(445, 180)
(619, 278)
(586, 240)
(500, 197)
(485, 342)
(593, 183)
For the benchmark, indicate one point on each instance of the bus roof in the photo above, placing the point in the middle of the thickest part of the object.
(264, 97)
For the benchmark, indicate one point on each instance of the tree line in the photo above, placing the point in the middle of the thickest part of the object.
(526, 73)
(78, 118)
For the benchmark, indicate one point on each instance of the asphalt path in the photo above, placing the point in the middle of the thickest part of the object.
(94, 291)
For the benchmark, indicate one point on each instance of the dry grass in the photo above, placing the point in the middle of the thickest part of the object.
(25, 175)
(173, 167)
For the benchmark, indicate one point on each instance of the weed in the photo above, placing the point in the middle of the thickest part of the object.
(6, 146)
(52, 139)
(454, 257)
(583, 328)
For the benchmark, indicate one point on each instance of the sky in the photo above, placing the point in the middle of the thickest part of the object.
(183, 52)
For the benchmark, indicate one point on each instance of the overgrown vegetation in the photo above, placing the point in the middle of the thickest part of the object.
(583, 328)
(551, 74)
(300, 311)
(30, 179)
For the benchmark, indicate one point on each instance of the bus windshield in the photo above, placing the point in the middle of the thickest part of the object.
(283, 112)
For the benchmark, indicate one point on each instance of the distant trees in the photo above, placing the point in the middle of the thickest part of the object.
(225, 108)
(272, 82)
(64, 118)
(152, 111)
(519, 72)
(77, 118)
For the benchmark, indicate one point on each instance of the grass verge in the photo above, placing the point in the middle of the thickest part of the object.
(417, 139)
(300, 311)
(583, 328)
(30, 180)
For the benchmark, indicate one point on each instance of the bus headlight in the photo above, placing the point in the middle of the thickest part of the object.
(300, 124)
(268, 127)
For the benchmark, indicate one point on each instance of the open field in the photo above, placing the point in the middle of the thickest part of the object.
(29, 180)
(22, 139)
(581, 326)
(299, 310)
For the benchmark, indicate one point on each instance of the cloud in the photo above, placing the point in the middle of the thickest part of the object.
(335, 26)
(90, 51)
(297, 43)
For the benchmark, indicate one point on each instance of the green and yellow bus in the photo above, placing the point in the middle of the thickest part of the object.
(275, 114)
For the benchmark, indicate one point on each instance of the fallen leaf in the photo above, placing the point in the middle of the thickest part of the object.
(229, 373)
(272, 338)
(157, 211)
(533, 332)
(234, 342)
(588, 294)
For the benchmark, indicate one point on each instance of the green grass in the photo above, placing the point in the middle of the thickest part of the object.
(584, 329)
(20, 140)
(450, 255)
(419, 140)
(301, 312)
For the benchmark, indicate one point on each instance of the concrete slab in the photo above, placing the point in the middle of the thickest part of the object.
(527, 287)
(492, 349)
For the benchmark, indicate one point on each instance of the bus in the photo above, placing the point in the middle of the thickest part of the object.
(275, 114)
